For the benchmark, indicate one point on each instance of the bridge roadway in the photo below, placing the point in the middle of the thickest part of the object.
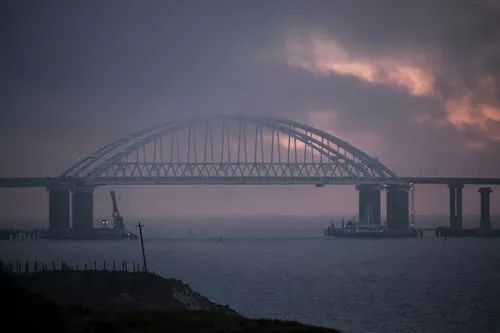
(47, 182)
(453, 180)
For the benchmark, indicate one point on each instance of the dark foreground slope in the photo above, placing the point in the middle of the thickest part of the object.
(120, 302)
(116, 291)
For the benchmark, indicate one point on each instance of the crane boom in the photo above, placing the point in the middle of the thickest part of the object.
(116, 212)
(117, 218)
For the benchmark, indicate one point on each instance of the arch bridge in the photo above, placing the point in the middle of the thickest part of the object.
(226, 149)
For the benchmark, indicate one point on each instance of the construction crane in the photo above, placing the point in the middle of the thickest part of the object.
(117, 218)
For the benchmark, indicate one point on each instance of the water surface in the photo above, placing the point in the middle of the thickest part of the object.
(388, 285)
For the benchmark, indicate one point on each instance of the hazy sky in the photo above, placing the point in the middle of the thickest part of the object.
(414, 83)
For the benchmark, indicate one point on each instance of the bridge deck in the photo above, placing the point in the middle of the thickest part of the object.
(453, 180)
(45, 182)
(25, 182)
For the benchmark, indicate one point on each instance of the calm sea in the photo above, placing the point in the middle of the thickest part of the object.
(283, 268)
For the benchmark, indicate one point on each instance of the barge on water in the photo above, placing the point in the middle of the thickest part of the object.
(358, 230)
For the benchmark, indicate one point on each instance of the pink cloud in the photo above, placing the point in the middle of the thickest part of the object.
(324, 56)
(462, 112)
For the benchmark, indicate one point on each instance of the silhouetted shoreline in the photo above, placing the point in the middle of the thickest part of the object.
(96, 301)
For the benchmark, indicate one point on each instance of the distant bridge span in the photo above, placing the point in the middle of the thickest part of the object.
(231, 149)
(234, 149)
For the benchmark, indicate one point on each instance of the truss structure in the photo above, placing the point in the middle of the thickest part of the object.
(231, 149)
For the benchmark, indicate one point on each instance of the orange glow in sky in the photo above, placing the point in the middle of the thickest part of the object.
(325, 56)
(462, 112)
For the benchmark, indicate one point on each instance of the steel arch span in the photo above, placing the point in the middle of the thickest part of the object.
(231, 149)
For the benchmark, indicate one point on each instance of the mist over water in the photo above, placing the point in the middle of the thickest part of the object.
(284, 268)
(197, 226)
(270, 226)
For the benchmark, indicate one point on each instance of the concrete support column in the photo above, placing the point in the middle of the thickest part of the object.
(485, 223)
(369, 203)
(459, 212)
(453, 208)
(58, 212)
(398, 207)
(83, 211)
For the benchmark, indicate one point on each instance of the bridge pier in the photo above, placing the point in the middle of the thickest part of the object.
(455, 205)
(369, 203)
(83, 211)
(58, 212)
(398, 216)
(459, 214)
(485, 223)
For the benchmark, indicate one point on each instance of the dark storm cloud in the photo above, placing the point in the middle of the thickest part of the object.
(120, 57)
(109, 60)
